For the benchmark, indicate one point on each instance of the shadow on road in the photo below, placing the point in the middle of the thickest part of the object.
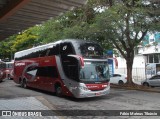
(109, 96)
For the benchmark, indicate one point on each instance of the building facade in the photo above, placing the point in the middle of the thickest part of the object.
(147, 58)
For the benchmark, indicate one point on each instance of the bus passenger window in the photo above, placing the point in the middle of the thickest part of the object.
(66, 48)
(42, 53)
(54, 50)
(48, 71)
(48, 51)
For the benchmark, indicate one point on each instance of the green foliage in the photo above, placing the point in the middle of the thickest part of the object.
(125, 24)
(112, 23)
(24, 40)
(51, 31)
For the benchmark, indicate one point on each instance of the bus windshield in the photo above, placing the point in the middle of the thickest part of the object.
(9, 65)
(91, 50)
(94, 71)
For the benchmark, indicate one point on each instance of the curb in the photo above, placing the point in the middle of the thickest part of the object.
(49, 105)
(135, 88)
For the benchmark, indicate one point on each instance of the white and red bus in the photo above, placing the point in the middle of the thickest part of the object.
(6, 70)
(9, 70)
(68, 67)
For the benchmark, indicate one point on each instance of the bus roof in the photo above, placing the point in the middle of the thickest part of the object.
(49, 45)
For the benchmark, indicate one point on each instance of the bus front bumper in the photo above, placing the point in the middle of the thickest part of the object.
(80, 93)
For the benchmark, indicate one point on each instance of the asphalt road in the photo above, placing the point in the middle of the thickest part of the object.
(118, 99)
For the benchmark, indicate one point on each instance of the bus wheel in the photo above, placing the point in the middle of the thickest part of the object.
(23, 83)
(58, 90)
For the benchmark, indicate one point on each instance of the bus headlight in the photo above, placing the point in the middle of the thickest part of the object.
(83, 88)
(79, 87)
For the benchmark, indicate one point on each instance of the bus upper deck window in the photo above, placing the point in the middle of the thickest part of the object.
(54, 50)
(66, 48)
(91, 50)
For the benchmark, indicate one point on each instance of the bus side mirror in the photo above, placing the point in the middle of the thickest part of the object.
(74, 69)
(71, 67)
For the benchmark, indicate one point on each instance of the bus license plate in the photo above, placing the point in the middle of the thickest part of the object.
(98, 94)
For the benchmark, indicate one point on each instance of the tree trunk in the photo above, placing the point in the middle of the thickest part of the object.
(129, 63)
(129, 72)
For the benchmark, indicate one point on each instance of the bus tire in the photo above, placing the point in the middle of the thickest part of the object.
(58, 90)
(24, 83)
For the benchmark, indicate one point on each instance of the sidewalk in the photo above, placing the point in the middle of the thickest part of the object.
(137, 81)
(25, 108)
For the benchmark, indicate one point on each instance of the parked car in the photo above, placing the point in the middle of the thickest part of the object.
(118, 79)
(158, 73)
(153, 81)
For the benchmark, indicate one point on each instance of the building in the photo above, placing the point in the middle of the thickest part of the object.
(147, 58)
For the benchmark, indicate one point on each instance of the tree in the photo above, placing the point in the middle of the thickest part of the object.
(66, 25)
(121, 24)
(5, 48)
(26, 39)
(124, 24)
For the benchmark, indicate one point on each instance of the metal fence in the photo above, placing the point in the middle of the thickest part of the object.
(138, 74)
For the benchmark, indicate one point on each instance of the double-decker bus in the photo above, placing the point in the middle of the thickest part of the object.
(6, 70)
(9, 70)
(67, 67)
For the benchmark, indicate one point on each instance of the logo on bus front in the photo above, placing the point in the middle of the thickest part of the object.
(19, 64)
(65, 47)
(91, 48)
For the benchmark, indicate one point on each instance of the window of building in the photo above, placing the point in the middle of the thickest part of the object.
(157, 37)
(136, 51)
(156, 58)
(153, 58)
(151, 40)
